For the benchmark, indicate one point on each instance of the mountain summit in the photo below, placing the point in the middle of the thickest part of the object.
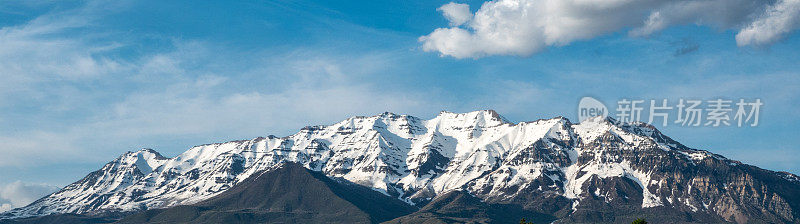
(595, 171)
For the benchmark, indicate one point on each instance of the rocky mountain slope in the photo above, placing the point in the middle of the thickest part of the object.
(287, 194)
(594, 171)
(459, 206)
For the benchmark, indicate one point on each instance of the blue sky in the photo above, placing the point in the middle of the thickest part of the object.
(81, 82)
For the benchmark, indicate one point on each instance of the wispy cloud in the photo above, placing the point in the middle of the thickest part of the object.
(777, 21)
(18, 194)
(87, 104)
(178, 99)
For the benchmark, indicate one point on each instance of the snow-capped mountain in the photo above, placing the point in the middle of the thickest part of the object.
(550, 166)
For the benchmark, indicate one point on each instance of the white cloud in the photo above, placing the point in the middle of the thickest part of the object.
(524, 27)
(456, 13)
(18, 194)
(305, 88)
(39, 52)
(311, 89)
(191, 89)
(653, 24)
(779, 20)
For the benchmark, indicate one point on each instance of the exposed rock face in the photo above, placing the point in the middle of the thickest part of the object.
(595, 171)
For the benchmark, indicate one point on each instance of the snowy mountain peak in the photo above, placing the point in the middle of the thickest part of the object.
(415, 160)
(149, 154)
(600, 119)
(145, 160)
(480, 117)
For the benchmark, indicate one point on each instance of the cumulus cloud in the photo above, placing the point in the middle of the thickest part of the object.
(18, 194)
(456, 13)
(524, 27)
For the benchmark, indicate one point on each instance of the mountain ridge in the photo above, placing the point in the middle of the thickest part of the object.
(542, 165)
